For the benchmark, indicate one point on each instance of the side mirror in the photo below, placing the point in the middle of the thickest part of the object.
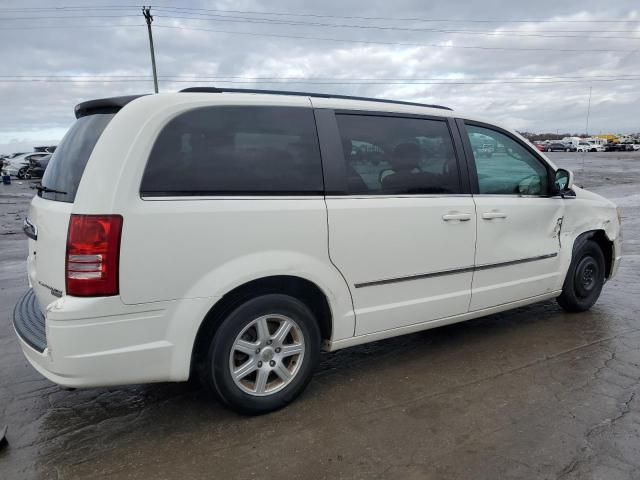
(563, 181)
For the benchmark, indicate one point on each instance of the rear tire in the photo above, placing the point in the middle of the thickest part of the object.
(585, 278)
(250, 365)
(21, 172)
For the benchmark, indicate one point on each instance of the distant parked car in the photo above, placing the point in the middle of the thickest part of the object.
(584, 147)
(18, 165)
(614, 147)
(636, 146)
(618, 147)
(13, 155)
(540, 147)
(590, 147)
(37, 166)
(4, 159)
(611, 147)
(557, 147)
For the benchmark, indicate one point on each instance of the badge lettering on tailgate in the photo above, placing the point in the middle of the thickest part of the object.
(54, 291)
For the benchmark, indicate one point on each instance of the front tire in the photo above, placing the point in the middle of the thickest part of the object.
(263, 354)
(585, 278)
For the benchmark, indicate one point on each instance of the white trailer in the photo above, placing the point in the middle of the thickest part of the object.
(601, 142)
(572, 141)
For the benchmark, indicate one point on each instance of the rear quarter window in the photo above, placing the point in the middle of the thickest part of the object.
(236, 151)
(68, 162)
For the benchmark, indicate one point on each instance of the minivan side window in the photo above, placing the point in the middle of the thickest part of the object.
(235, 151)
(387, 155)
(504, 166)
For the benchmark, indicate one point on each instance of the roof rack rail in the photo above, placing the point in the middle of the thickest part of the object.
(306, 94)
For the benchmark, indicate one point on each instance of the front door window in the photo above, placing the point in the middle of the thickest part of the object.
(504, 166)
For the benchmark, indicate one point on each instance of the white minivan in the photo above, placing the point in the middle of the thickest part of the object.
(234, 234)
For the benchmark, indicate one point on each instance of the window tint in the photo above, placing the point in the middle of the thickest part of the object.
(504, 166)
(392, 155)
(236, 150)
(70, 158)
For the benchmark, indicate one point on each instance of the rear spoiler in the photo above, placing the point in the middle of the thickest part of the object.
(103, 105)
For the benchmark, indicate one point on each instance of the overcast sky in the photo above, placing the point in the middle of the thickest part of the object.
(459, 54)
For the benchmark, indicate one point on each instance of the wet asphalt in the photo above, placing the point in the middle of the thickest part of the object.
(532, 393)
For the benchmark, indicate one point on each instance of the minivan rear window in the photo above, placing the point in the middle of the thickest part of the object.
(67, 163)
(236, 151)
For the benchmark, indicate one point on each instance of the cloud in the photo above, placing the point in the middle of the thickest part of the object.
(34, 109)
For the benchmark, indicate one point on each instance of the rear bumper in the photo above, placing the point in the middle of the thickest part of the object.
(92, 342)
(29, 322)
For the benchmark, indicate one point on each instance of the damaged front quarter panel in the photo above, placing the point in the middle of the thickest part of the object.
(589, 212)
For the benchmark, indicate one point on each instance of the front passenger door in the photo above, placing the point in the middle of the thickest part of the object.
(518, 221)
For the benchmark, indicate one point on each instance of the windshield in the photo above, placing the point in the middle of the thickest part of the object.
(67, 163)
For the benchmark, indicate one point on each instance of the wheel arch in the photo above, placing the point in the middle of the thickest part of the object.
(606, 245)
(298, 287)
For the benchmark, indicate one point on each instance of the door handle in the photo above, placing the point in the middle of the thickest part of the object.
(492, 215)
(463, 217)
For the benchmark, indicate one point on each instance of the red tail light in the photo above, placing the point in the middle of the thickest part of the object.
(93, 251)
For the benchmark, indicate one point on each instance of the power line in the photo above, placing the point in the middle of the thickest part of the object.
(405, 44)
(403, 79)
(69, 7)
(317, 15)
(414, 19)
(236, 19)
(503, 33)
(66, 27)
(496, 34)
(382, 26)
(231, 18)
(312, 82)
(67, 16)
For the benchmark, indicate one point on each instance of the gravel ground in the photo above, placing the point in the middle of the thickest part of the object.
(531, 393)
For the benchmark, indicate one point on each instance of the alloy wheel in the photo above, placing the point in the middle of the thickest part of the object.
(267, 354)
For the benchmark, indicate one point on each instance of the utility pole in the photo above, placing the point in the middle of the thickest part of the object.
(587, 126)
(588, 112)
(146, 11)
